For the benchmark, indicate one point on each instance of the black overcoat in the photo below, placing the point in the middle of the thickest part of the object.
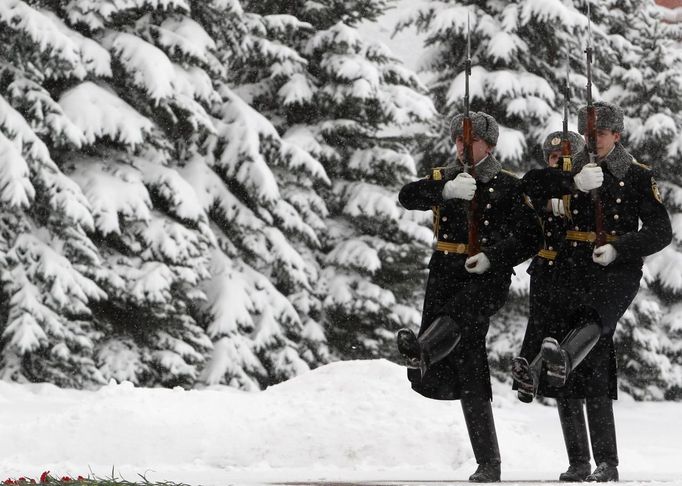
(508, 233)
(575, 284)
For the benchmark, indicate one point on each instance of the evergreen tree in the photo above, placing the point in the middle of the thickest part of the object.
(350, 104)
(48, 260)
(142, 215)
(646, 80)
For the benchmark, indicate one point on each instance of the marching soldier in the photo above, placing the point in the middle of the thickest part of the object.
(542, 308)
(595, 282)
(448, 361)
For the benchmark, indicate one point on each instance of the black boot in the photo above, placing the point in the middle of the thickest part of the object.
(561, 359)
(603, 473)
(408, 346)
(486, 473)
(574, 429)
(527, 377)
(576, 473)
(603, 437)
(478, 415)
(434, 344)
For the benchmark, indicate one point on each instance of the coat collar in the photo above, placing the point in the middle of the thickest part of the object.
(618, 161)
(486, 169)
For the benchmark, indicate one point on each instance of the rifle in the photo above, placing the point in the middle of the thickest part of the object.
(592, 139)
(473, 246)
(567, 163)
(566, 150)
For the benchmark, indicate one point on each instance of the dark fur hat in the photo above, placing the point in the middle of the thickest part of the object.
(483, 124)
(553, 142)
(609, 117)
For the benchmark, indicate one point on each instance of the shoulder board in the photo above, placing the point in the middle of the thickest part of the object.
(505, 171)
(436, 173)
(643, 166)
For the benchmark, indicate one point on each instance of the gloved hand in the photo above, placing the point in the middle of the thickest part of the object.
(461, 187)
(478, 263)
(590, 177)
(604, 255)
(558, 207)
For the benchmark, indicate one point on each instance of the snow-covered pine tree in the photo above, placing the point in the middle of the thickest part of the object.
(48, 259)
(351, 104)
(646, 80)
(171, 174)
(266, 221)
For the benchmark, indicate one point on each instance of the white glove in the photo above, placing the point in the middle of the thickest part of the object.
(590, 177)
(558, 207)
(604, 255)
(478, 263)
(462, 187)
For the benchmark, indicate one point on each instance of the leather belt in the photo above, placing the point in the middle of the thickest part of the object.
(548, 254)
(587, 236)
(446, 246)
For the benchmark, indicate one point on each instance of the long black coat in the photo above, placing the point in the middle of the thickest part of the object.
(575, 284)
(508, 233)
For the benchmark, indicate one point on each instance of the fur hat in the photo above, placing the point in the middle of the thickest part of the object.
(553, 142)
(484, 126)
(609, 117)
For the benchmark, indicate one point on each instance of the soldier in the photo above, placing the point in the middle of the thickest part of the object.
(553, 220)
(594, 287)
(448, 361)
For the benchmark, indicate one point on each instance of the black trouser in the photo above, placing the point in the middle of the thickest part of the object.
(602, 429)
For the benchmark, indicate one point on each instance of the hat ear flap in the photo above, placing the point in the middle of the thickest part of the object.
(456, 126)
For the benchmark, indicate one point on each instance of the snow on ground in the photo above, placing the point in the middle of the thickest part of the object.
(347, 421)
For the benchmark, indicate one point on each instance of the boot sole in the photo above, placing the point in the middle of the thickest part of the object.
(408, 346)
(555, 364)
(521, 373)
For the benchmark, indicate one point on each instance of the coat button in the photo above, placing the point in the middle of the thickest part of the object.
(549, 233)
(484, 240)
(491, 189)
(618, 200)
(575, 196)
(445, 236)
(446, 252)
(551, 263)
(575, 211)
(549, 219)
(575, 243)
(486, 222)
(445, 218)
(577, 228)
(621, 183)
(613, 232)
(550, 248)
(488, 206)
(616, 217)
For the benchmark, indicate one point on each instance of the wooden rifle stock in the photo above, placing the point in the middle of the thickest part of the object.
(594, 193)
(474, 246)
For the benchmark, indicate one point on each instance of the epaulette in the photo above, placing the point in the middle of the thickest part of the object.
(436, 173)
(643, 166)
